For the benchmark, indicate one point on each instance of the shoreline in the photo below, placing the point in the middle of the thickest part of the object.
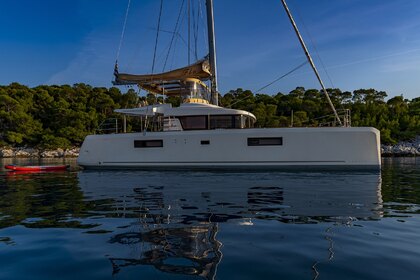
(24, 152)
(401, 149)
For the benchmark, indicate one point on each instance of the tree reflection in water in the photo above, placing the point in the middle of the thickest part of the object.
(42, 200)
(174, 217)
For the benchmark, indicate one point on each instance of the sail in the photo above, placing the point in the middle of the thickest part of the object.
(157, 83)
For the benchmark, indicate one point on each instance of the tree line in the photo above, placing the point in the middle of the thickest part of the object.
(61, 116)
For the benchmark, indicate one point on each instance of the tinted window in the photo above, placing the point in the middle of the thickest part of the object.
(225, 121)
(193, 122)
(148, 143)
(221, 122)
(265, 141)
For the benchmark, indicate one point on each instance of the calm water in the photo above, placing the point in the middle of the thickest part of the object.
(211, 225)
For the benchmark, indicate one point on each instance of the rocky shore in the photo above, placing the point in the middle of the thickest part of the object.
(401, 149)
(8, 152)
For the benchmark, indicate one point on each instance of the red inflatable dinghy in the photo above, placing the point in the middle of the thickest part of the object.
(37, 167)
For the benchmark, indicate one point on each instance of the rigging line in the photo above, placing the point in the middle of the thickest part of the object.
(172, 32)
(281, 77)
(160, 57)
(123, 30)
(197, 31)
(314, 46)
(173, 35)
(276, 80)
(192, 27)
(320, 60)
(157, 36)
(189, 30)
(196, 25)
(177, 35)
(203, 24)
(137, 50)
(177, 39)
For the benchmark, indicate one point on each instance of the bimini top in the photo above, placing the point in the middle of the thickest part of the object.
(186, 109)
(168, 83)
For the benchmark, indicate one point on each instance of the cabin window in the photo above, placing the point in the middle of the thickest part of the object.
(205, 142)
(221, 122)
(225, 121)
(148, 143)
(265, 141)
(215, 122)
(193, 122)
(248, 122)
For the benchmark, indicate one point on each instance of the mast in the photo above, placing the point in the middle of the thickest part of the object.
(212, 52)
(305, 49)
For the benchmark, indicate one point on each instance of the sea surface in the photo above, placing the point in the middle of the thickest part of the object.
(210, 225)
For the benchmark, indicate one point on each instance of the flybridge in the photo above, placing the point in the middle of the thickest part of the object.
(168, 83)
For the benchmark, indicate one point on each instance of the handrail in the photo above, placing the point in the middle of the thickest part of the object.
(108, 127)
(344, 115)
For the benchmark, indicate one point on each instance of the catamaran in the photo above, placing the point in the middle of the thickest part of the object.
(201, 134)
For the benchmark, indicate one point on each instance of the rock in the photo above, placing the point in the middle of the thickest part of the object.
(386, 149)
(26, 152)
(403, 148)
(31, 152)
(6, 153)
(74, 152)
(58, 153)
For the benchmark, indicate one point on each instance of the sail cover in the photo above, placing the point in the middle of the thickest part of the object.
(157, 83)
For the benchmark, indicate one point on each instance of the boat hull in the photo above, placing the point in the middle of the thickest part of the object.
(228, 148)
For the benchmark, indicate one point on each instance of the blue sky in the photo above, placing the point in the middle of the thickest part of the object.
(361, 43)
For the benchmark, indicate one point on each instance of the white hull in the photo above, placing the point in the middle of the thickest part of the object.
(338, 146)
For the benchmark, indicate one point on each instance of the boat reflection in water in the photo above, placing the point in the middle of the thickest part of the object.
(174, 217)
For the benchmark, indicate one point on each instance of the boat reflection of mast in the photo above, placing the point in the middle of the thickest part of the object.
(171, 246)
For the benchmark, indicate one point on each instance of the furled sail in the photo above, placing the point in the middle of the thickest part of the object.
(167, 82)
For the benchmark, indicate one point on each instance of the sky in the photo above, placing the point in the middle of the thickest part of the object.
(355, 43)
